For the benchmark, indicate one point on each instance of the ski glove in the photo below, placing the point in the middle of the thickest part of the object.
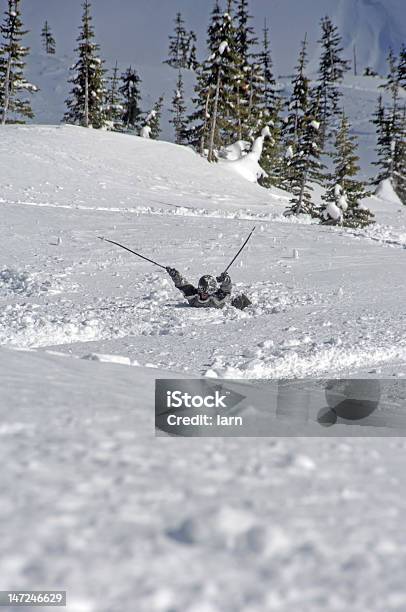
(171, 271)
(223, 276)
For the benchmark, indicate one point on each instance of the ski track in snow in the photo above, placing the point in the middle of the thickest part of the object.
(385, 235)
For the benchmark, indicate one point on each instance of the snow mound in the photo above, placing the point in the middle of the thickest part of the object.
(232, 528)
(120, 359)
(248, 166)
(15, 282)
(386, 192)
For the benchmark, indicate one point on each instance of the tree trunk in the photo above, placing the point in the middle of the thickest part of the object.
(87, 95)
(302, 188)
(7, 87)
(206, 112)
(210, 156)
(239, 115)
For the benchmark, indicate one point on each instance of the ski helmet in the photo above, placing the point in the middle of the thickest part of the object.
(207, 284)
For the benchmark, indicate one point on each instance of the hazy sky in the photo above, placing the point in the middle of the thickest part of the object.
(137, 31)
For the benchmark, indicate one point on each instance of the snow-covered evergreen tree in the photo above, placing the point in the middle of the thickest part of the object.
(86, 102)
(402, 67)
(13, 106)
(48, 41)
(199, 120)
(399, 155)
(226, 66)
(152, 122)
(192, 63)
(331, 71)
(214, 115)
(392, 83)
(270, 107)
(241, 81)
(400, 158)
(306, 167)
(178, 111)
(391, 134)
(295, 121)
(344, 194)
(383, 150)
(114, 106)
(245, 37)
(269, 93)
(131, 97)
(233, 85)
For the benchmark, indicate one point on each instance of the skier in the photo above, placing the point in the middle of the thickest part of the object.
(208, 293)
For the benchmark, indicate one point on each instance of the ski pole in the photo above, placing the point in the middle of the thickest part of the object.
(235, 257)
(130, 251)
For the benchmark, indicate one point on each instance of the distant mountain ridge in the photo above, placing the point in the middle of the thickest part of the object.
(372, 27)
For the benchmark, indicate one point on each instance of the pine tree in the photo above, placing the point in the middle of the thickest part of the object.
(131, 97)
(113, 105)
(400, 157)
(225, 114)
(270, 107)
(178, 111)
(402, 67)
(331, 71)
(384, 139)
(269, 94)
(399, 164)
(345, 192)
(85, 106)
(245, 38)
(199, 120)
(182, 49)
(245, 80)
(295, 122)
(398, 150)
(192, 63)
(12, 81)
(214, 113)
(48, 40)
(392, 134)
(272, 160)
(306, 168)
(392, 80)
(152, 123)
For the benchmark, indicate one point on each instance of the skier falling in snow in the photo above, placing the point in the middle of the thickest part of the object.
(208, 294)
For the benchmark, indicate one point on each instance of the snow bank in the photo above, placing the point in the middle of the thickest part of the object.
(248, 166)
(385, 191)
(123, 172)
(20, 282)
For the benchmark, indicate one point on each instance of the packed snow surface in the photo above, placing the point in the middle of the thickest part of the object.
(188, 525)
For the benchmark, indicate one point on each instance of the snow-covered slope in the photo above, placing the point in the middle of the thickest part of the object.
(94, 505)
(63, 187)
(214, 525)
